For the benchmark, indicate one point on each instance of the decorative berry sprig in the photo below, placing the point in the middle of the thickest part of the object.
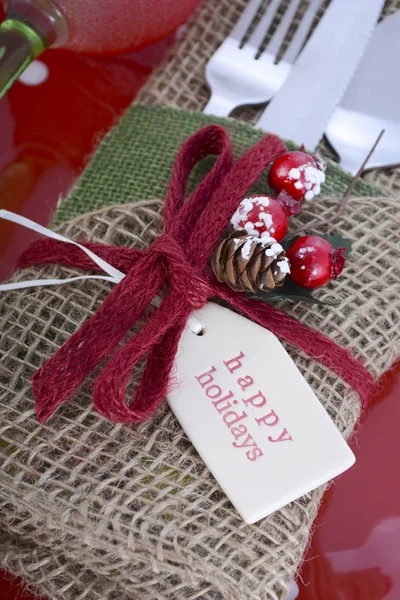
(251, 258)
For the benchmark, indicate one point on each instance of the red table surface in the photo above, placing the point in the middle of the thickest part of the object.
(47, 135)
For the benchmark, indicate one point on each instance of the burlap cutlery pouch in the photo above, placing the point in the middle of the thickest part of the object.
(92, 509)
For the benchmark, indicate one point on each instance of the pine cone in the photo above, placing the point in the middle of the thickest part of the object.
(249, 263)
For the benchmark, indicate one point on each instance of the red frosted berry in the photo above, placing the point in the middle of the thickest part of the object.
(261, 215)
(299, 174)
(314, 261)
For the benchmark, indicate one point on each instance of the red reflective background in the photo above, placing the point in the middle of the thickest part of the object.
(355, 549)
(47, 133)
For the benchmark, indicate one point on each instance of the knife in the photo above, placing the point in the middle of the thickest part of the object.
(301, 109)
(365, 109)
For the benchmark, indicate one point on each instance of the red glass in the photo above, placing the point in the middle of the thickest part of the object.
(47, 135)
(101, 26)
(355, 550)
(130, 24)
(12, 588)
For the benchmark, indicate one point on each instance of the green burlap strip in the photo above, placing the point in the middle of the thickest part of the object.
(135, 159)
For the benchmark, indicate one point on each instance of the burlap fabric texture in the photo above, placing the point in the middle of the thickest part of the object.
(91, 509)
(180, 81)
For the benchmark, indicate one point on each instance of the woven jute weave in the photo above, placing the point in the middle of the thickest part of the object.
(91, 509)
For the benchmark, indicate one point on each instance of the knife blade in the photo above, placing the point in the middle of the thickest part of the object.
(371, 103)
(301, 109)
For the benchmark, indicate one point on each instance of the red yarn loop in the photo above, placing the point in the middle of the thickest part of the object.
(175, 268)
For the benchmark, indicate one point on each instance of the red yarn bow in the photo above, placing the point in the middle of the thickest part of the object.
(176, 267)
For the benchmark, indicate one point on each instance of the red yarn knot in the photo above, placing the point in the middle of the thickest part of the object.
(180, 275)
(174, 268)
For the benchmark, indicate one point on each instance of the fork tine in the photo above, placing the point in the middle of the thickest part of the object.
(259, 33)
(280, 33)
(245, 20)
(296, 44)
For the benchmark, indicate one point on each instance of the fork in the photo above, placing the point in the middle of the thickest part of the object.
(239, 74)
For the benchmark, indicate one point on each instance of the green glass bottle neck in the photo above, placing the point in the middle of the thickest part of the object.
(29, 28)
(36, 43)
(19, 45)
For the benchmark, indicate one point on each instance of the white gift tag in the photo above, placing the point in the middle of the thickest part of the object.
(251, 415)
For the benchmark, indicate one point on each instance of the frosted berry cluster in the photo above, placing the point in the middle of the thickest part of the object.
(296, 177)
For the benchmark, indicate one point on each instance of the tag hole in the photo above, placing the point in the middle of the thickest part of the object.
(201, 332)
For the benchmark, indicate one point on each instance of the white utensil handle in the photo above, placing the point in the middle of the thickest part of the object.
(219, 107)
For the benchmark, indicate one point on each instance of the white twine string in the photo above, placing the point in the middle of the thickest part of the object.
(113, 274)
